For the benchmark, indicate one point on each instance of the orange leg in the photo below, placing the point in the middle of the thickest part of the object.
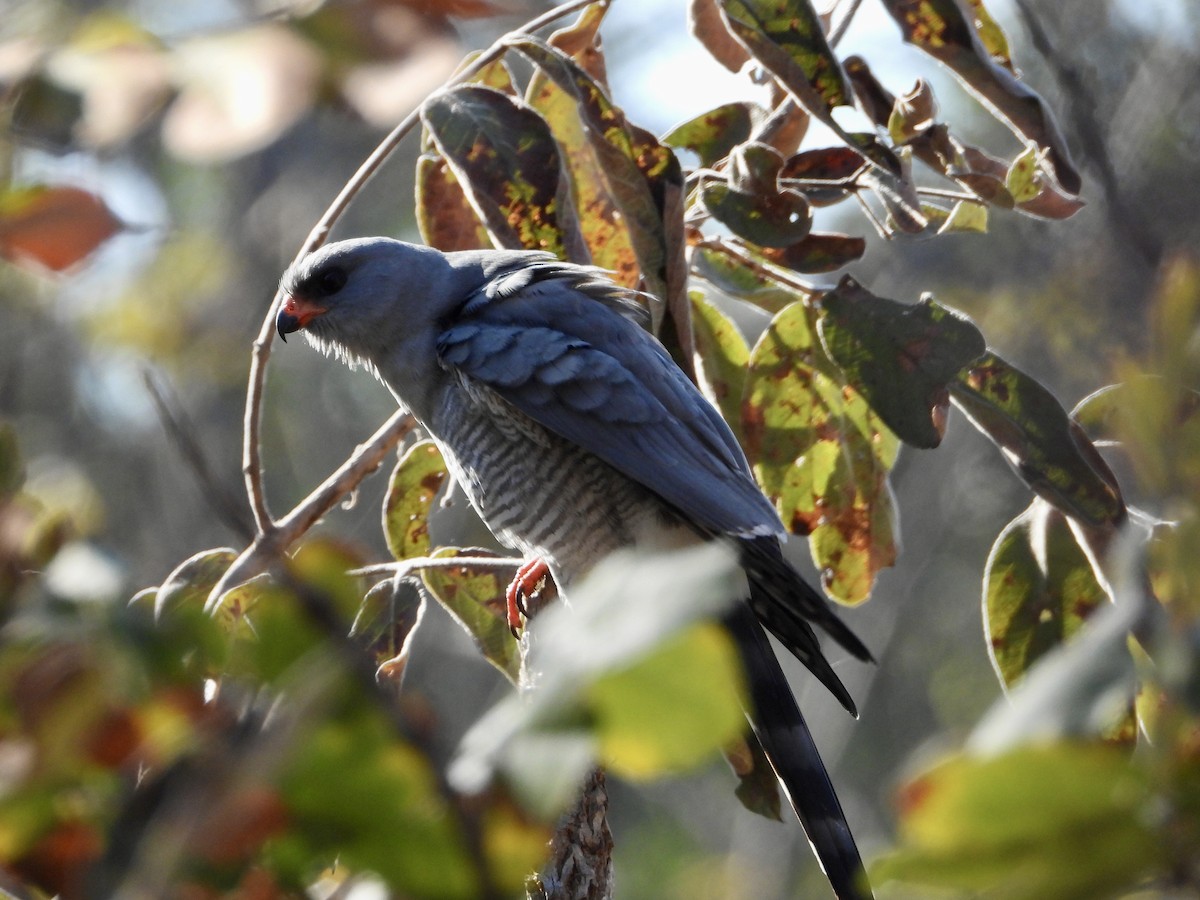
(524, 584)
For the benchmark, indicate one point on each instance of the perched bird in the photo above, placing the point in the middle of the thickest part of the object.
(574, 434)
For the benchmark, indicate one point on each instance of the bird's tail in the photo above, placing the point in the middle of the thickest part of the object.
(784, 736)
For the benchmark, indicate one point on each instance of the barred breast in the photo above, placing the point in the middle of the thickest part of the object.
(540, 494)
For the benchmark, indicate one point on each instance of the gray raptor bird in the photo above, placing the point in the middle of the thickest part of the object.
(574, 434)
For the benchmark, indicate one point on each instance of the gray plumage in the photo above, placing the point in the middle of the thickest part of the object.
(573, 434)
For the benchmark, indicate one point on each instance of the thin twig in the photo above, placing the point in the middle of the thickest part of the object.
(404, 566)
(948, 194)
(843, 24)
(252, 425)
(267, 546)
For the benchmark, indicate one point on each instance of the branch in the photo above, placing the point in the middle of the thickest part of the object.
(270, 544)
(252, 425)
(405, 566)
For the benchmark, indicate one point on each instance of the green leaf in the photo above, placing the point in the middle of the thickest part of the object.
(356, 794)
(475, 598)
(672, 709)
(414, 485)
(965, 218)
(712, 135)
(386, 623)
(901, 357)
(445, 217)
(731, 269)
(758, 786)
(767, 220)
(991, 35)
(1046, 449)
(506, 160)
(786, 36)
(189, 584)
(820, 454)
(1038, 589)
(721, 359)
(1022, 182)
(941, 29)
(1013, 825)
(642, 686)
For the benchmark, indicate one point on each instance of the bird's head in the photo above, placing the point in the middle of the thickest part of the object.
(355, 298)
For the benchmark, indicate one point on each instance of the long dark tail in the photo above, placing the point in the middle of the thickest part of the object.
(780, 728)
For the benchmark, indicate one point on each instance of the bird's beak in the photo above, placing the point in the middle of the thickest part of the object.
(295, 314)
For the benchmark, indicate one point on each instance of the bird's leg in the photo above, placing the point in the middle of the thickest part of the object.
(524, 584)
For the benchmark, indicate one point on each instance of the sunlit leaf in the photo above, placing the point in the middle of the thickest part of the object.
(731, 269)
(684, 719)
(1012, 825)
(1046, 449)
(941, 28)
(1022, 179)
(965, 218)
(708, 27)
(788, 39)
(581, 41)
(609, 670)
(644, 178)
(820, 454)
(914, 113)
(506, 160)
(721, 358)
(475, 597)
(386, 625)
(817, 253)
(901, 357)
(192, 580)
(713, 134)
(414, 484)
(53, 227)
(991, 35)
(444, 215)
(1039, 588)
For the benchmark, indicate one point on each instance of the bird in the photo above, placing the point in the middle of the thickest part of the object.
(574, 434)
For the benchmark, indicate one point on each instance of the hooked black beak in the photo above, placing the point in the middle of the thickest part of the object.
(295, 314)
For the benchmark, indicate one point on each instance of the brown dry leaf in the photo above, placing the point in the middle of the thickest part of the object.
(708, 27)
(53, 227)
(240, 91)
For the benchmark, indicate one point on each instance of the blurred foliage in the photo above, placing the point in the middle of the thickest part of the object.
(158, 166)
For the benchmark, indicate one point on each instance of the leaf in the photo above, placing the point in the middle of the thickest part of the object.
(604, 229)
(806, 170)
(647, 688)
(721, 358)
(581, 41)
(12, 472)
(414, 485)
(900, 357)
(713, 134)
(1038, 590)
(965, 218)
(444, 215)
(644, 178)
(659, 715)
(820, 454)
(475, 598)
(941, 29)
(506, 160)
(913, 114)
(1011, 825)
(817, 253)
(53, 228)
(758, 788)
(786, 36)
(708, 27)
(1022, 180)
(1047, 450)
(991, 35)
(386, 623)
(192, 580)
(730, 268)
(767, 220)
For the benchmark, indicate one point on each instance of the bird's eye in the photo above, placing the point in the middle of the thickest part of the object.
(330, 281)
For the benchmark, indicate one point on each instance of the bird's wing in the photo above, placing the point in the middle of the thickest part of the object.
(572, 363)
